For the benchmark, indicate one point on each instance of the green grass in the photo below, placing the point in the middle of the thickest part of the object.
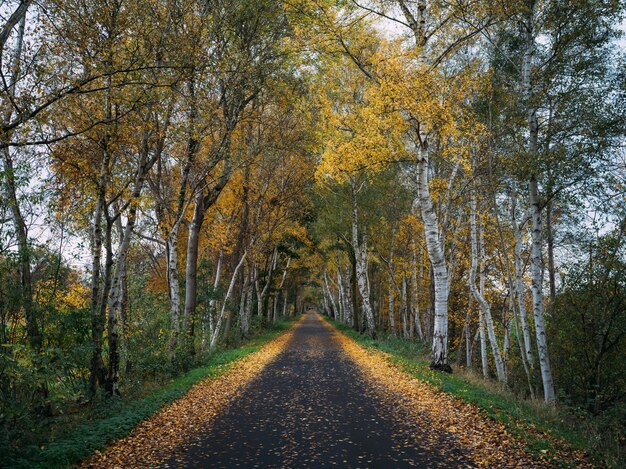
(530, 422)
(90, 436)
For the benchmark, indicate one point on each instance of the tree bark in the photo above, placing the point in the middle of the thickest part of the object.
(360, 252)
(439, 356)
(391, 287)
(231, 286)
(116, 296)
(11, 185)
(245, 306)
(537, 290)
(519, 282)
(416, 306)
(479, 296)
(405, 308)
(262, 293)
(535, 207)
(191, 268)
(550, 240)
(331, 298)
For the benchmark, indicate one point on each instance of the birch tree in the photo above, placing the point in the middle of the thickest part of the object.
(483, 303)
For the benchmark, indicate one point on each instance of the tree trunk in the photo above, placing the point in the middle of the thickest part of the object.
(404, 306)
(331, 298)
(537, 290)
(245, 307)
(116, 296)
(416, 306)
(272, 308)
(191, 268)
(522, 352)
(535, 208)
(439, 357)
(100, 280)
(23, 250)
(231, 286)
(211, 307)
(33, 330)
(353, 293)
(550, 240)
(280, 289)
(340, 299)
(345, 295)
(360, 252)
(479, 296)
(96, 375)
(515, 281)
(468, 349)
(519, 282)
(262, 293)
(391, 288)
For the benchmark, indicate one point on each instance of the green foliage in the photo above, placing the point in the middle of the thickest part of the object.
(588, 328)
(587, 331)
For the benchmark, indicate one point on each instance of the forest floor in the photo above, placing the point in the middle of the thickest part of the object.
(314, 397)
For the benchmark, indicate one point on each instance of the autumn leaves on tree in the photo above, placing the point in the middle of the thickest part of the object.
(464, 102)
(184, 135)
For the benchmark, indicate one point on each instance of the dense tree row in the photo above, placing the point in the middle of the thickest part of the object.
(472, 149)
(156, 159)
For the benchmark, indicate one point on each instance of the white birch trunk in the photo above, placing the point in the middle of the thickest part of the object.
(391, 287)
(392, 301)
(220, 318)
(340, 300)
(325, 300)
(212, 303)
(416, 306)
(536, 260)
(174, 286)
(360, 252)
(245, 305)
(439, 358)
(479, 295)
(275, 314)
(218, 275)
(330, 296)
(506, 346)
(519, 281)
(261, 294)
(404, 306)
(536, 263)
(468, 350)
(483, 343)
(524, 362)
(280, 290)
(348, 298)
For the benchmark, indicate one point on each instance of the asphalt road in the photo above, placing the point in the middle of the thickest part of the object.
(312, 407)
